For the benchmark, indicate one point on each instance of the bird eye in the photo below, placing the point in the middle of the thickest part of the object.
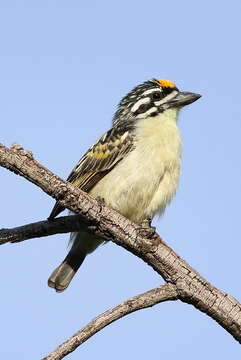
(142, 108)
(156, 96)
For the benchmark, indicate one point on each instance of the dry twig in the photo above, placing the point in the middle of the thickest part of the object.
(142, 301)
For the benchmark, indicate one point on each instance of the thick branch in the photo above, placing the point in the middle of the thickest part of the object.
(142, 301)
(145, 243)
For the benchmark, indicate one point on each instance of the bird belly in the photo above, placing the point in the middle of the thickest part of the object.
(145, 181)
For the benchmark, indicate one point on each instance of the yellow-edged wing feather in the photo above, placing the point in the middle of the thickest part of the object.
(108, 151)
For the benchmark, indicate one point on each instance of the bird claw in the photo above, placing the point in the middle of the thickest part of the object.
(100, 200)
(146, 223)
(146, 229)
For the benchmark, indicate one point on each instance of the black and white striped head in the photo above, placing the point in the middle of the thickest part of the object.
(150, 99)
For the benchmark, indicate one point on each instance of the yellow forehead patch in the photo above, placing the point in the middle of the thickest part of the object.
(166, 83)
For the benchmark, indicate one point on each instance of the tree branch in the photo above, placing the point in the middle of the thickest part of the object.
(192, 288)
(142, 301)
(60, 225)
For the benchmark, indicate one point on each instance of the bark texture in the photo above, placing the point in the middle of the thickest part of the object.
(148, 299)
(142, 241)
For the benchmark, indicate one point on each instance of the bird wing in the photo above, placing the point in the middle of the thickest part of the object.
(100, 159)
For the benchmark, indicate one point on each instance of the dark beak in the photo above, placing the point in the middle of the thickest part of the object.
(183, 98)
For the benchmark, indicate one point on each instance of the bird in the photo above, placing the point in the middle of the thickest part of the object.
(134, 167)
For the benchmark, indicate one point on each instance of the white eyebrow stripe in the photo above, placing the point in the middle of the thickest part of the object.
(136, 106)
(166, 98)
(151, 91)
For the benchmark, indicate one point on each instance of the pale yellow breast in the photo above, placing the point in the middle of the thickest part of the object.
(145, 181)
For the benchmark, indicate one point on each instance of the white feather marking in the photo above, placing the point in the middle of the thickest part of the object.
(148, 112)
(151, 91)
(166, 98)
(136, 106)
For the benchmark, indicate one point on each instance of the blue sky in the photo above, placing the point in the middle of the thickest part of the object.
(64, 65)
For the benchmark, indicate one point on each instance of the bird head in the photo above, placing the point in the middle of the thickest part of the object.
(151, 98)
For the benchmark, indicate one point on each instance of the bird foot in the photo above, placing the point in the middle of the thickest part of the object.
(146, 229)
(101, 201)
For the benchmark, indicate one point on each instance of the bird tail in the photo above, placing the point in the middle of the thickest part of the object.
(82, 245)
(64, 273)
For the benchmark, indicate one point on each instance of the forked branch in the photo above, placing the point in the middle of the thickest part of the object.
(189, 285)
